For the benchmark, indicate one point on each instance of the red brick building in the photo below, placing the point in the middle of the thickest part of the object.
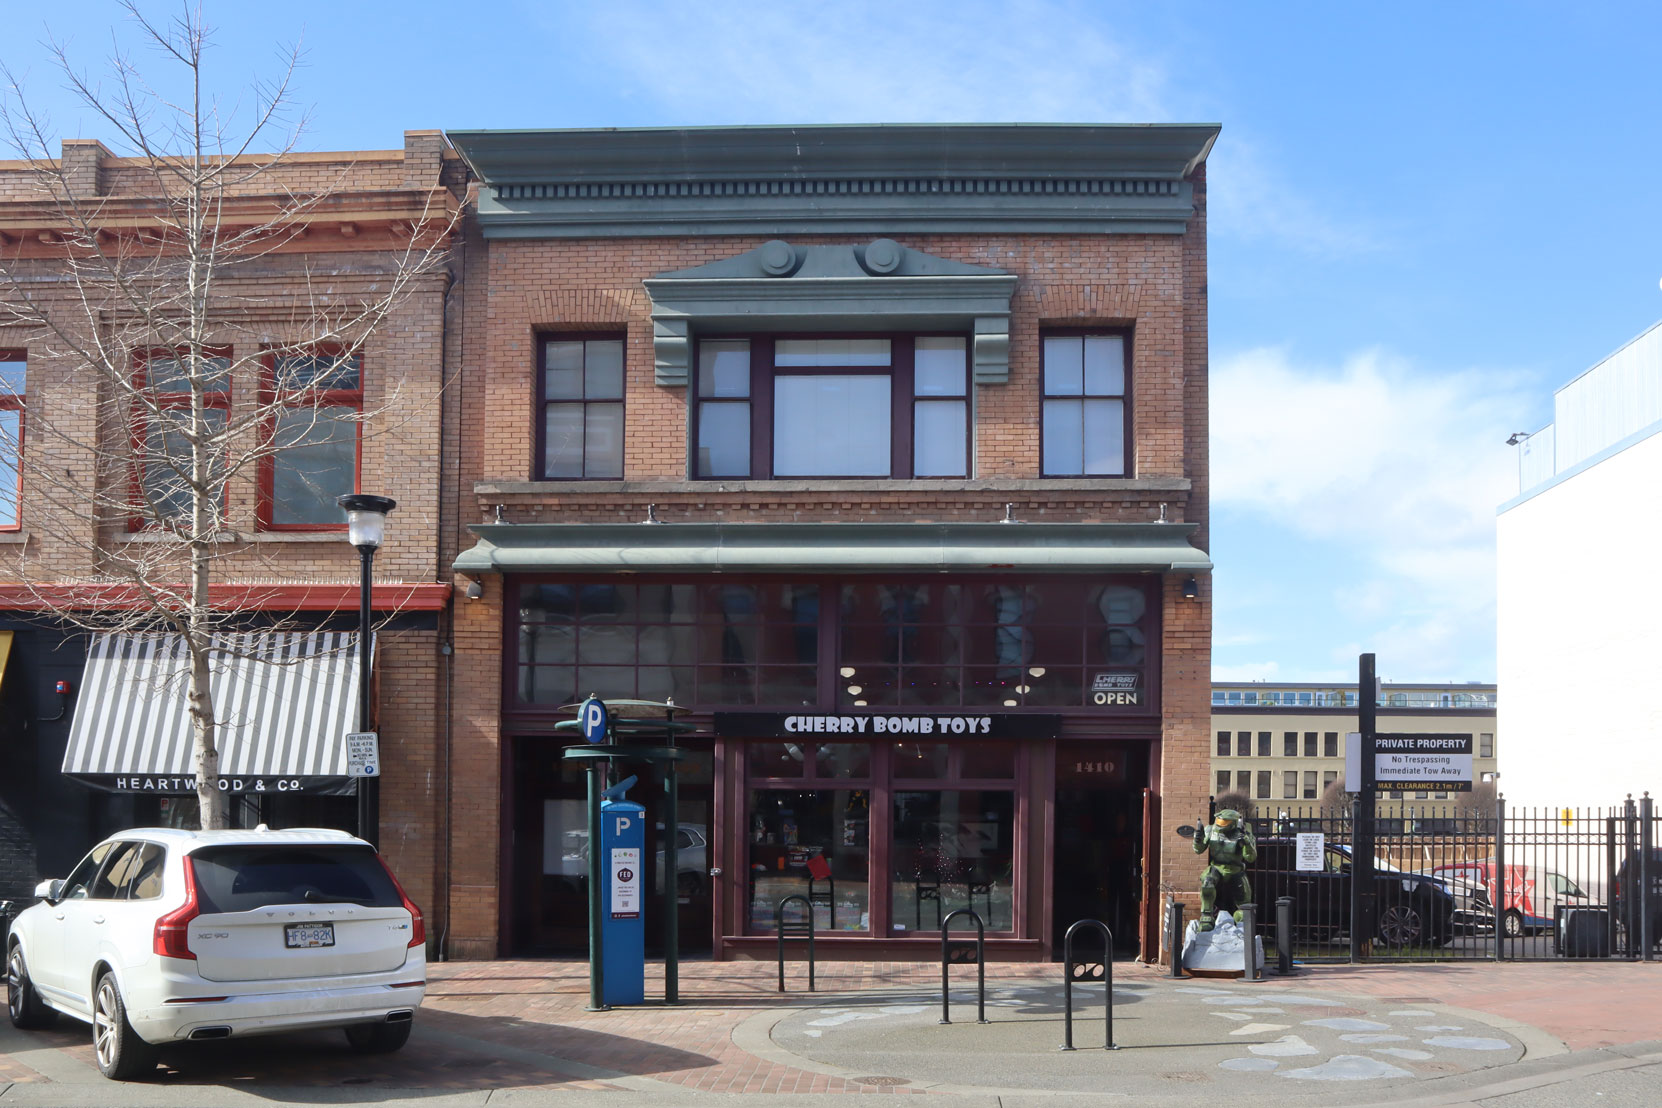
(882, 452)
(282, 563)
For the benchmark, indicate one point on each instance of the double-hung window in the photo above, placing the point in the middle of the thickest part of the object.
(856, 407)
(13, 373)
(164, 427)
(316, 400)
(580, 393)
(1086, 414)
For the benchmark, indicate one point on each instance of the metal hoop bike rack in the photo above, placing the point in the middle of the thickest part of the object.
(1068, 965)
(980, 965)
(795, 931)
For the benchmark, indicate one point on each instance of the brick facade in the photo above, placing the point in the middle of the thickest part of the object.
(346, 253)
(1152, 284)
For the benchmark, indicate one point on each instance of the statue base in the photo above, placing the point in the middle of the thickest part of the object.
(1220, 952)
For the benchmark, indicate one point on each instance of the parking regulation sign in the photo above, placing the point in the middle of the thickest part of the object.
(363, 754)
(594, 719)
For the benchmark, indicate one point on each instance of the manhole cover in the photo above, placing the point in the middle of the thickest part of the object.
(886, 1081)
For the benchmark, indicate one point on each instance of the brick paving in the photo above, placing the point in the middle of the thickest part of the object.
(523, 1024)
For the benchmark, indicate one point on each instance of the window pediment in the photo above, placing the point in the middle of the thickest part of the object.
(875, 286)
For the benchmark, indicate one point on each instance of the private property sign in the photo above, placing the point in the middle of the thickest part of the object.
(1421, 762)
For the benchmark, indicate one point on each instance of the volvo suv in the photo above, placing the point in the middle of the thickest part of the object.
(160, 935)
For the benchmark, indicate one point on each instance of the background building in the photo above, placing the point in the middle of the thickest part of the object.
(883, 451)
(1284, 744)
(1583, 722)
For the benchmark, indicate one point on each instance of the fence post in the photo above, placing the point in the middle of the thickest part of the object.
(1499, 897)
(1283, 935)
(1610, 882)
(1249, 932)
(1358, 913)
(1174, 935)
(1647, 840)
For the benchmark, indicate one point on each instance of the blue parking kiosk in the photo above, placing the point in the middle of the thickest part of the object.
(623, 856)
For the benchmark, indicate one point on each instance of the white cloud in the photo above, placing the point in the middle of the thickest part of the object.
(1394, 470)
(1249, 200)
(867, 61)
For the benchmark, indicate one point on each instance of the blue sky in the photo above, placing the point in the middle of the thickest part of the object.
(1424, 218)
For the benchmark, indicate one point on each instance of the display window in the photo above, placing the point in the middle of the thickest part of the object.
(881, 838)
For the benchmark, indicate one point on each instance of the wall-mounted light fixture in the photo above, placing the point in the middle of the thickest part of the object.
(475, 588)
(1517, 436)
(1191, 589)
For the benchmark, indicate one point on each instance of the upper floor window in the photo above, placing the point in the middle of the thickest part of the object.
(580, 393)
(1086, 418)
(895, 407)
(316, 401)
(164, 486)
(13, 373)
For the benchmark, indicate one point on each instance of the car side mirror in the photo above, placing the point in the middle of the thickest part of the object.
(50, 888)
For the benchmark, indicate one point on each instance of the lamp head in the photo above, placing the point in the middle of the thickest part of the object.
(366, 517)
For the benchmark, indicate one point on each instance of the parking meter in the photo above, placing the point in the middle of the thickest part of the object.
(623, 860)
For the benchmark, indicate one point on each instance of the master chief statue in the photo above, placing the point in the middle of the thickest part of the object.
(1230, 848)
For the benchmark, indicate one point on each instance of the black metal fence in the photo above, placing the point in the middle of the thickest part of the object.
(1467, 884)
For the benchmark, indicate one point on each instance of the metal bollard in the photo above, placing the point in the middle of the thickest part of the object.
(1249, 933)
(1174, 935)
(1284, 935)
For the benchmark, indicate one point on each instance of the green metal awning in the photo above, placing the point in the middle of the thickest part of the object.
(831, 548)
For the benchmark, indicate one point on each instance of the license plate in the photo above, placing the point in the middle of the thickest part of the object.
(309, 934)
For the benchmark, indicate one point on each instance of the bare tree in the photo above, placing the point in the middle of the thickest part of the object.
(150, 301)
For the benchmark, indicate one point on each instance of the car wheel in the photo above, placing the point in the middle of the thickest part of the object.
(378, 1038)
(1511, 924)
(23, 1003)
(122, 1055)
(1401, 925)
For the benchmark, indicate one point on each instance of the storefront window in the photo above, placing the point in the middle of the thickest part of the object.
(812, 839)
(739, 644)
(953, 848)
(1055, 643)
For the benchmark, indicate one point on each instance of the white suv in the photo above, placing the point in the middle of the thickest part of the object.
(161, 935)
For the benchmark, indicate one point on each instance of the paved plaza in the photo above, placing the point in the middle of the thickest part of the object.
(516, 1033)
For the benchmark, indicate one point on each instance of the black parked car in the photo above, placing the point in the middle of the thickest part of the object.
(1412, 909)
(1626, 906)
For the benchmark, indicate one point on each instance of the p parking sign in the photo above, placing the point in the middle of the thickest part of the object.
(594, 718)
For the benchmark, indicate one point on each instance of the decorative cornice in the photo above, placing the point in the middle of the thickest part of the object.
(781, 287)
(1053, 178)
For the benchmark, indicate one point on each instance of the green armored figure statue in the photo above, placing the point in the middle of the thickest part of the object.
(1230, 847)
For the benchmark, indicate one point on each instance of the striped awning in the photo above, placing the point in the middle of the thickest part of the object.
(284, 702)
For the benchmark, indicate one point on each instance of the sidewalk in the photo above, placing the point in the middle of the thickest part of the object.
(1509, 1035)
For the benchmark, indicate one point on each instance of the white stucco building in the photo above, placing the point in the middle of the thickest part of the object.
(1580, 629)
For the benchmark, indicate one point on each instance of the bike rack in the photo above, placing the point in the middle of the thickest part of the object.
(980, 965)
(795, 931)
(1068, 966)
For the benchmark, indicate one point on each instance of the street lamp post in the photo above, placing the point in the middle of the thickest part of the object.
(366, 523)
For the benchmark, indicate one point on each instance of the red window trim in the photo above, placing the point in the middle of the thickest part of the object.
(17, 402)
(326, 398)
(137, 430)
